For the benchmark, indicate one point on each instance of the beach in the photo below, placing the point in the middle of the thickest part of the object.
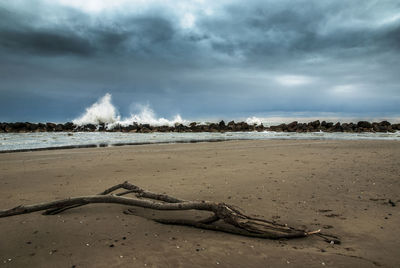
(348, 188)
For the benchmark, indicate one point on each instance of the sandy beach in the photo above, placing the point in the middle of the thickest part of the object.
(345, 188)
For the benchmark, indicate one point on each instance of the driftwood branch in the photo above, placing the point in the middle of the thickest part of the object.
(225, 218)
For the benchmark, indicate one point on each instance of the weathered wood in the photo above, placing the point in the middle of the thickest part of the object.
(130, 188)
(231, 230)
(225, 218)
(89, 199)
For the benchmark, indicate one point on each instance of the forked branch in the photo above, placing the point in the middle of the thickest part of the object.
(225, 218)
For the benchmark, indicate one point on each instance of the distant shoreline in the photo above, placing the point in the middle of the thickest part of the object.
(42, 141)
(314, 126)
(102, 145)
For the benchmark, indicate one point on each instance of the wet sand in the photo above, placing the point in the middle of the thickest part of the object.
(340, 187)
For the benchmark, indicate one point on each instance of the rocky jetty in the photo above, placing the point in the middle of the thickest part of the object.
(314, 126)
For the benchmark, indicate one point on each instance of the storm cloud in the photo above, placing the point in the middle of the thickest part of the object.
(202, 59)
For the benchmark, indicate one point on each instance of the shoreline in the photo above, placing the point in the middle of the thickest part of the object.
(182, 139)
(102, 145)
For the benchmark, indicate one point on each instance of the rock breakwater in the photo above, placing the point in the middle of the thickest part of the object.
(314, 126)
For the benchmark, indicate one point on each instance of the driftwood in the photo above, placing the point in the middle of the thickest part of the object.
(224, 218)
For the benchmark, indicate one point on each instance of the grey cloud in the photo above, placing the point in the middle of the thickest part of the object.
(257, 29)
(79, 36)
(227, 64)
(267, 29)
(45, 42)
(19, 33)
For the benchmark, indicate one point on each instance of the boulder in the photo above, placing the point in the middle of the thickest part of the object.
(101, 127)
(315, 124)
(337, 127)
(275, 128)
(384, 123)
(145, 130)
(231, 125)
(89, 127)
(329, 125)
(213, 127)
(301, 127)
(291, 127)
(347, 127)
(8, 128)
(41, 127)
(364, 124)
(279, 128)
(382, 128)
(260, 128)
(59, 127)
(33, 126)
(180, 128)
(132, 128)
(116, 128)
(50, 126)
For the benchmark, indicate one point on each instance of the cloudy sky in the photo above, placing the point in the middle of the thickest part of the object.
(201, 59)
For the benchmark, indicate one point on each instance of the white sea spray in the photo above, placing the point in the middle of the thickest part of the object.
(104, 112)
(254, 120)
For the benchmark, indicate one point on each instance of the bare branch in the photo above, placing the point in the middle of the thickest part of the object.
(233, 221)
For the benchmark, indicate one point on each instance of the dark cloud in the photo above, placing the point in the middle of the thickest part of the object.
(299, 28)
(78, 36)
(19, 34)
(45, 42)
(238, 59)
(257, 29)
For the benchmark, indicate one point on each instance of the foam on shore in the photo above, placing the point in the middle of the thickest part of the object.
(64, 140)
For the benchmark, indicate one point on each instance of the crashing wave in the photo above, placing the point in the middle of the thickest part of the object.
(100, 112)
(104, 112)
(254, 121)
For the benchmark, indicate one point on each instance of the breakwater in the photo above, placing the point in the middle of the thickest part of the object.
(314, 126)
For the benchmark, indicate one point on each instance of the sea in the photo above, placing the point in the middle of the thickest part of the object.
(103, 111)
(59, 140)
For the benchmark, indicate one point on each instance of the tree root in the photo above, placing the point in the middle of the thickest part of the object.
(230, 219)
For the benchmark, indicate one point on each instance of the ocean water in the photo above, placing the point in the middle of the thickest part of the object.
(103, 111)
(42, 140)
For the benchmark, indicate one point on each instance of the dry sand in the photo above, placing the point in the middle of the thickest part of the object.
(342, 187)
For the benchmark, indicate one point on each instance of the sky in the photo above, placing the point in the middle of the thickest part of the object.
(200, 59)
